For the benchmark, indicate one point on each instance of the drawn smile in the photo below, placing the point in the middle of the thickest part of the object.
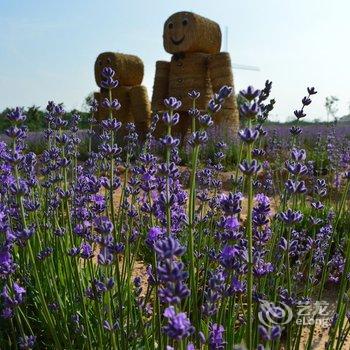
(177, 42)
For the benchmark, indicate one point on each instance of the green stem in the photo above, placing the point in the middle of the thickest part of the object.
(249, 227)
(46, 311)
(191, 215)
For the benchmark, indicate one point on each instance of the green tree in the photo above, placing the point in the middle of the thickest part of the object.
(331, 107)
(87, 102)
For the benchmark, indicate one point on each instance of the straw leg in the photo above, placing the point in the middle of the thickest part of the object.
(140, 109)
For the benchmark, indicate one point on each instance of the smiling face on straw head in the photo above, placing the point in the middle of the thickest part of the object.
(189, 32)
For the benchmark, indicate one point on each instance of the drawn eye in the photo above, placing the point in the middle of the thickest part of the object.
(185, 22)
(100, 62)
(171, 25)
(108, 60)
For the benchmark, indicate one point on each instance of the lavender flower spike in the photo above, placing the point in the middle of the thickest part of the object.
(250, 93)
(179, 326)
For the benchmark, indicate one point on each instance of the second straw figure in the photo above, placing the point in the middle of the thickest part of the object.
(133, 97)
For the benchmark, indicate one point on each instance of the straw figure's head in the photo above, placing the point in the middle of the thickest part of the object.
(128, 68)
(189, 32)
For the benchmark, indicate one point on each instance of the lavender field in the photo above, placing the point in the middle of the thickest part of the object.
(312, 131)
(129, 250)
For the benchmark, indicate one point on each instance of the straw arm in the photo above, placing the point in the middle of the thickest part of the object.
(140, 109)
(220, 73)
(161, 85)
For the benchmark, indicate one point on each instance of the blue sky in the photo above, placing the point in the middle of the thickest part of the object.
(48, 48)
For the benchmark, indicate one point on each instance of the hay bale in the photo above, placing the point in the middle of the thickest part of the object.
(161, 85)
(220, 72)
(220, 69)
(122, 94)
(226, 124)
(182, 128)
(190, 73)
(129, 68)
(140, 109)
(189, 32)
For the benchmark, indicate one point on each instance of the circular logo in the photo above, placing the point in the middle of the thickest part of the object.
(271, 314)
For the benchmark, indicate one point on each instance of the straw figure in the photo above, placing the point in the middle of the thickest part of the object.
(133, 97)
(196, 64)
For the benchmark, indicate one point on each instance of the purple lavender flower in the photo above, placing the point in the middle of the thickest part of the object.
(108, 72)
(296, 168)
(27, 342)
(258, 153)
(111, 124)
(346, 175)
(232, 223)
(168, 248)
(229, 256)
(7, 265)
(225, 92)
(237, 286)
(198, 138)
(17, 115)
(248, 135)
(295, 130)
(250, 111)
(291, 217)
(7, 313)
(19, 292)
(295, 186)
(249, 168)
(170, 142)
(154, 234)
(298, 155)
(110, 327)
(221, 145)
(306, 101)
(74, 251)
(179, 326)
(270, 334)
(171, 119)
(93, 103)
(194, 112)
(12, 298)
(103, 225)
(45, 253)
(113, 104)
(231, 203)
(172, 103)
(108, 82)
(299, 114)
(214, 106)
(16, 133)
(205, 120)
(194, 94)
(250, 93)
(216, 337)
(311, 91)
(173, 293)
